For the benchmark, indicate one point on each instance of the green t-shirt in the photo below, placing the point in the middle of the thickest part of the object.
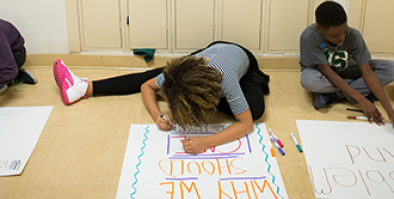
(314, 50)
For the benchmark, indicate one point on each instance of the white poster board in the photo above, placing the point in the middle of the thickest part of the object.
(349, 160)
(155, 166)
(20, 128)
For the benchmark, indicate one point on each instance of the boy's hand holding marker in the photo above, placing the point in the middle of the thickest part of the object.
(378, 119)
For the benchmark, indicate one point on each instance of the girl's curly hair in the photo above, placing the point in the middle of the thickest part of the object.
(191, 89)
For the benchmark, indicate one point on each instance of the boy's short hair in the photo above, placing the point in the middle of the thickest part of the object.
(330, 14)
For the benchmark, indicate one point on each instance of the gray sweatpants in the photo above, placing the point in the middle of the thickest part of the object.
(314, 81)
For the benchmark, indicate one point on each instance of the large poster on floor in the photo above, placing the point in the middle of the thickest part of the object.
(155, 166)
(349, 159)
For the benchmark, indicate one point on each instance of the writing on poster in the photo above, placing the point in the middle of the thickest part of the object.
(378, 176)
(160, 168)
(224, 163)
(10, 165)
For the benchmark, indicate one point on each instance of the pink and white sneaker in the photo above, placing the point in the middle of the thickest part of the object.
(72, 88)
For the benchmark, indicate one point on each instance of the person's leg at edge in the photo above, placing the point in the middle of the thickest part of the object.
(24, 76)
(384, 70)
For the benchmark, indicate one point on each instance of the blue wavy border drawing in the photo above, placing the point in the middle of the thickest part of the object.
(139, 162)
(265, 159)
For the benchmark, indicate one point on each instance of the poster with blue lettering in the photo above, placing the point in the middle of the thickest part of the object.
(156, 166)
(349, 160)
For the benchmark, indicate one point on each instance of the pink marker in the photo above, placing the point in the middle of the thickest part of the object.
(276, 138)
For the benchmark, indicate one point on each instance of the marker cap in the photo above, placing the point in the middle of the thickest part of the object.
(299, 148)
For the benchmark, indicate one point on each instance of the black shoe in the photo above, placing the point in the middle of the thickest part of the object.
(322, 100)
(25, 77)
(372, 98)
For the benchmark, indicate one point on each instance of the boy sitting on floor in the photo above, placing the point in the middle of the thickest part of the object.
(336, 64)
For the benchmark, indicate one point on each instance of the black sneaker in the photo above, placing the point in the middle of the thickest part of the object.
(25, 77)
(321, 100)
(372, 98)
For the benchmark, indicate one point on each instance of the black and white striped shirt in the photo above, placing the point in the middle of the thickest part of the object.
(233, 63)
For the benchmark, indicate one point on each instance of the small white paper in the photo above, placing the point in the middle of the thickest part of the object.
(20, 128)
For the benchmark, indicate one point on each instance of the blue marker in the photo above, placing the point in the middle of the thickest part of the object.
(295, 141)
(277, 145)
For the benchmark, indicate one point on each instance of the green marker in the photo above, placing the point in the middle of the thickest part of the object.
(295, 141)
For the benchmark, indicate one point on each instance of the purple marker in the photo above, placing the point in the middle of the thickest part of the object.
(276, 138)
(277, 145)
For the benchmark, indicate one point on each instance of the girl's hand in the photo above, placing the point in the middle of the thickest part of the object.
(372, 113)
(194, 145)
(164, 122)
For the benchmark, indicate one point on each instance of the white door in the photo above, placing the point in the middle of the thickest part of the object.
(148, 24)
(378, 26)
(100, 24)
(194, 22)
(288, 18)
(241, 22)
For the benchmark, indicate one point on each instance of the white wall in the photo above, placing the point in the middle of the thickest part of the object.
(41, 22)
(345, 4)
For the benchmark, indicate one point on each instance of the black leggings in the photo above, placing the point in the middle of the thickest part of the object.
(125, 84)
(250, 84)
